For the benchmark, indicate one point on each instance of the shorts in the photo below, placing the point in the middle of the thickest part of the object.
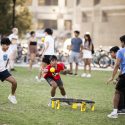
(46, 59)
(120, 86)
(87, 54)
(74, 57)
(3, 75)
(59, 81)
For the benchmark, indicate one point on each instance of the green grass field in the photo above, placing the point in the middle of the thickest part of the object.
(33, 98)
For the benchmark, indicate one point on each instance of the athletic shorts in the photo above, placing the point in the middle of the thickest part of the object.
(120, 86)
(3, 75)
(59, 81)
(46, 59)
(74, 57)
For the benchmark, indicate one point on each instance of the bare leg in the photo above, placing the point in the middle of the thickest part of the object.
(85, 64)
(62, 90)
(89, 64)
(70, 67)
(116, 99)
(11, 80)
(53, 89)
(76, 69)
(32, 58)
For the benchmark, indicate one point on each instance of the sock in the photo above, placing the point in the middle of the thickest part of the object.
(115, 110)
(65, 96)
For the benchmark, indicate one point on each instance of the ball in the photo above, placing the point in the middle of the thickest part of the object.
(52, 69)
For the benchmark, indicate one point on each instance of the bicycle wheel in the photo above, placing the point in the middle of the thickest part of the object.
(104, 61)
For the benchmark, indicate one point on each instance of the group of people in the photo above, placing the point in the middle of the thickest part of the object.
(49, 60)
(79, 47)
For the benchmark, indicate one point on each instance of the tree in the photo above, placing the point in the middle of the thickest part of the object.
(21, 19)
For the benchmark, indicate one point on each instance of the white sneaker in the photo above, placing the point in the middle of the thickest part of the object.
(83, 75)
(12, 99)
(113, 115)
(88, 76)
(50, 103)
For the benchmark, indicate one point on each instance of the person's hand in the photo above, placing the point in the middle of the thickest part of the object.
(45, 70)
(110, 80)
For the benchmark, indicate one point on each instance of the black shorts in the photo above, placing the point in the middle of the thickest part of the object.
(3, 75)
(120, 86)
(59, 81)
(46, 59)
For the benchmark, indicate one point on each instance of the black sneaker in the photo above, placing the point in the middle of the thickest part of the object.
(121, 112)
(70, 73)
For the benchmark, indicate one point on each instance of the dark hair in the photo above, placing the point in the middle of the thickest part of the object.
(89, 38)
(32, 32)
(76, 31)
(53, 57)
(114, 49)
(5, 41)
(122, 38)
(49, 31)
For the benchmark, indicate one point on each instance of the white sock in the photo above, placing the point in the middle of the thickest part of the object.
(115, 110)
(65, 96)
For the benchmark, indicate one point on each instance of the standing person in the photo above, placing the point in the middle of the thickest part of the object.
(121, 105)
(53, 77)
(120, 86)
(48, 49)
(5, 54)
(32, 45)
(87, 55)
(76, 47)
(13, 47)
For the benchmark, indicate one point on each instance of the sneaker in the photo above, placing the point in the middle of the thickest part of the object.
(12, 99)
(121, 112)
(50, 103)
(88, 76)
(83, 75)
(76, 74)
(113, 115)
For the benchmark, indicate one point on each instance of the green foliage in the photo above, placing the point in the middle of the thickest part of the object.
(22, 17)
(33, 97)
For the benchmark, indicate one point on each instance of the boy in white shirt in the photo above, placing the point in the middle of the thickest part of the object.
(4, 74)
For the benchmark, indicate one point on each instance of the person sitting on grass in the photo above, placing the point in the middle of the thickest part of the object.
(4, 73)
(120, 87)
(53, 77)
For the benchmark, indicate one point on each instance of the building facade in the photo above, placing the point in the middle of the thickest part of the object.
(104, 19)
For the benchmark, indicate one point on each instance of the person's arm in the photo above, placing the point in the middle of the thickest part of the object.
(46, 45)
(117, 64)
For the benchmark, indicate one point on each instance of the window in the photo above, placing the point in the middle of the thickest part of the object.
(68, 24)
(104, 17)
(77, 2)
(47, 24)
(96, 2)
(48, 2)
(84, 17)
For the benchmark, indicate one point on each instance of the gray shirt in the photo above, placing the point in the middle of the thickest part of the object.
(76, 43)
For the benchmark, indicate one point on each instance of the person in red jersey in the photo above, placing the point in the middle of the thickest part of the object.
(53, 77)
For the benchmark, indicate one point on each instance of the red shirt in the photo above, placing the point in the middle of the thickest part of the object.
(55, 75)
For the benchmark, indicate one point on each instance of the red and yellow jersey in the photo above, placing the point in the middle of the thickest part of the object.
(55, 75)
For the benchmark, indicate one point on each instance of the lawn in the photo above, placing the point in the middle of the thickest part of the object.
(33, 97)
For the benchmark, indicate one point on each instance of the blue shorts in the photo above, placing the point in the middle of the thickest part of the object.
(3, 75)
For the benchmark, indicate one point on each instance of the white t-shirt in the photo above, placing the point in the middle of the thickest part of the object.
(4, 56)
(50, 50)
(13, 36)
